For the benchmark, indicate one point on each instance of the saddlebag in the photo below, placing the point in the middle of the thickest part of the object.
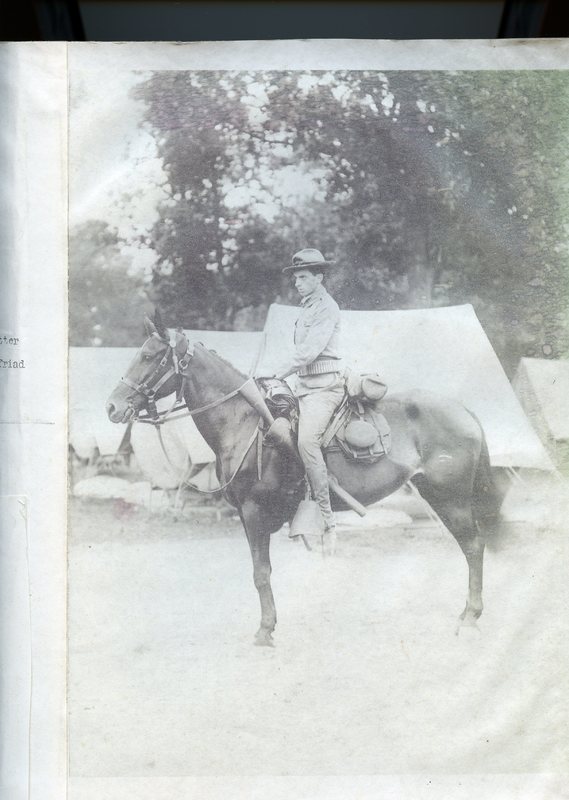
(367, 388)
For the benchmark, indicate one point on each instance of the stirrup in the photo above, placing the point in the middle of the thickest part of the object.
(307, 520)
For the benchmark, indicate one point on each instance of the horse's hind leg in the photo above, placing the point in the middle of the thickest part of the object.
(459, 519)
(457, 514)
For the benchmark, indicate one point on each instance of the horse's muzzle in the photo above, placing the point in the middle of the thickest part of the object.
(119, 415)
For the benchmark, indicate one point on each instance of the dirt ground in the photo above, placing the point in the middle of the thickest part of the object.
(367, 675)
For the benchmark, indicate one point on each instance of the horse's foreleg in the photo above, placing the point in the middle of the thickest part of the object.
(259, 540)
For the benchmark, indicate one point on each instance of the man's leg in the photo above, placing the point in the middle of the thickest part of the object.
(316, 410)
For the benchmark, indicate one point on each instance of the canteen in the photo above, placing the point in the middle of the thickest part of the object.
(372, 387)
(361, 434)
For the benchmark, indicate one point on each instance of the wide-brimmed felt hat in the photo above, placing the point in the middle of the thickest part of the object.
(309, 258)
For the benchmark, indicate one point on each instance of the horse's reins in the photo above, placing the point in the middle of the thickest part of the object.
(148, 390)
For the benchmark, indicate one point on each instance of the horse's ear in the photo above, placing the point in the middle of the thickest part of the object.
(149, 326)
(181, 343)
(160, 327)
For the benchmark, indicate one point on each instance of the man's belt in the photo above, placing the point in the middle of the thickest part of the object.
(321, 366)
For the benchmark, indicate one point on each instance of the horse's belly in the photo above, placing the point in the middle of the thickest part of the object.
(368, 483)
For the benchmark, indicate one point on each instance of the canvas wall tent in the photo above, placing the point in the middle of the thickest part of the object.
(444, 350)
(542, 386)
(93, 374)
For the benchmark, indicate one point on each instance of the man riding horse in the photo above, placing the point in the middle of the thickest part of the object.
(436, 443)
(316, 362)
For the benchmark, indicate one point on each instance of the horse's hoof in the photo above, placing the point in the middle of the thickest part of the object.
(467, 626)
(264, 639)
(328, 544)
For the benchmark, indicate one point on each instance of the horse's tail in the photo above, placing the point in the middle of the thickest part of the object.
(487, 496)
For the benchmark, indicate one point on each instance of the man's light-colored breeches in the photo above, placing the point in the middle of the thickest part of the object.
(316, 409)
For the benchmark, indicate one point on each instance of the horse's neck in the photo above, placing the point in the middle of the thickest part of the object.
(222, 424)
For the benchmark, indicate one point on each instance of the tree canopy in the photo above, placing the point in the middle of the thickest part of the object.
(108, 301)
(427, 189)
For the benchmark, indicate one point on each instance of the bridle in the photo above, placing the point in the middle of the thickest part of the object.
(151, 385)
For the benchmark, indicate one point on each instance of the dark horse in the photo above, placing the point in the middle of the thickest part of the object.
(437, 444)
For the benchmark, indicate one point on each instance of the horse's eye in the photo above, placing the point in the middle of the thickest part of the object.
(147, 357)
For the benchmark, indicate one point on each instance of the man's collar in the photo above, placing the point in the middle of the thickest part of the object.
(313, 296)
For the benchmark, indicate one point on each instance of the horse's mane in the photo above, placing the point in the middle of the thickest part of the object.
(164, 334)
(215, 355)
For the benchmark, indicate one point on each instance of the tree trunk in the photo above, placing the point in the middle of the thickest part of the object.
(420, 271)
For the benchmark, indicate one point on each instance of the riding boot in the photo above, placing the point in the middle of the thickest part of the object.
(318, 479)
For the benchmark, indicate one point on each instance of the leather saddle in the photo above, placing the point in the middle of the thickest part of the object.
(358, 428)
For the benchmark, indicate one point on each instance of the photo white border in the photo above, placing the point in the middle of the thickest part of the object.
(110, 59)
